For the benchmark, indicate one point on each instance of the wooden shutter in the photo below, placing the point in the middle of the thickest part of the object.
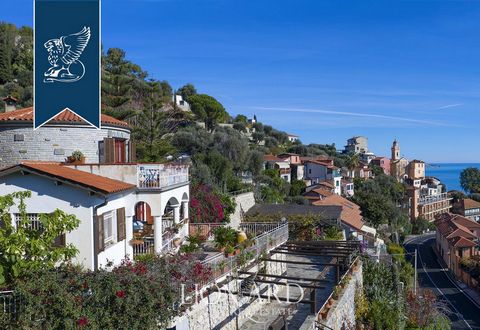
(60, 241)
(100, 234)
(121, 232)
(109, 150)
(132, 152)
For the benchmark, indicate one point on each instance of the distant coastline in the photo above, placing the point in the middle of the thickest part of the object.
(449, 173)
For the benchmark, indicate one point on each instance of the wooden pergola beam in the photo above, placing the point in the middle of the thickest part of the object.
(285, 277)
(301, 262)
(304, 286)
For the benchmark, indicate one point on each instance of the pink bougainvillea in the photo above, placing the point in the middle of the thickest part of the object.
(205, 205)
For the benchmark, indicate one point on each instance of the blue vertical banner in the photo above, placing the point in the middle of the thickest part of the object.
(67, 59)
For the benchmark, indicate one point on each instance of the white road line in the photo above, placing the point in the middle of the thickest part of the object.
(445, 270)
(440, 291)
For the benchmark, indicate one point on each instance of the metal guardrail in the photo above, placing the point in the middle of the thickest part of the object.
(266, 241)
(205, 230)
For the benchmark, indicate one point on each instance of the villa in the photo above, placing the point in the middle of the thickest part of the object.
(125, 208)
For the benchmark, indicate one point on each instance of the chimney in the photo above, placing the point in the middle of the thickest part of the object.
(10, 103)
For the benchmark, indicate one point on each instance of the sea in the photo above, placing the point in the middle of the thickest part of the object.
(449, 173)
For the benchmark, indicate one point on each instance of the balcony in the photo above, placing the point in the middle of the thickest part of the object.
(429, 199)
(160, 176)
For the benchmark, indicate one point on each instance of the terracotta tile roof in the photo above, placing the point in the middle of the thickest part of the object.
(351, 214)
(323, 163)
(66, 116)
(460, 241)
(457, 229)
(470, 204)
(91, 181)
(272, 158)
(326, 184)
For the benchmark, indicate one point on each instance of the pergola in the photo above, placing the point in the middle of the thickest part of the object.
(341, 254)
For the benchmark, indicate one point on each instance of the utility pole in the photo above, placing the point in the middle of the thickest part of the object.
(415, 277)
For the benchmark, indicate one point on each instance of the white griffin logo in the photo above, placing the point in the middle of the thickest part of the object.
(64, 54)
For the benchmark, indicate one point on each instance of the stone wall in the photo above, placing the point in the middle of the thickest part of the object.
(229, 311)
(53, 142)
(342, 313)
(244, 203)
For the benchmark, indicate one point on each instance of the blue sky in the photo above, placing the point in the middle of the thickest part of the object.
(324, 70)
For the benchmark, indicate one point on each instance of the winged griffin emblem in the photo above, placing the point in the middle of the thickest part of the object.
(64, 54)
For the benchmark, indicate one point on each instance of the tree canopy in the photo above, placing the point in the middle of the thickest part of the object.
(207, 109)
(470, 180)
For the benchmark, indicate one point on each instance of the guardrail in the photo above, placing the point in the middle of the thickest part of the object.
(204, 230)
(263, 243)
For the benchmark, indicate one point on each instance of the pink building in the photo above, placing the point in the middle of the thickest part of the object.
(383, 162)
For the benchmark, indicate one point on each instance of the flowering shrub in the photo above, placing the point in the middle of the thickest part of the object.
(140, 295)
(207, 206)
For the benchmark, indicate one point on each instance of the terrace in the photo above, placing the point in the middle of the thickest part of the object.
(159, 176)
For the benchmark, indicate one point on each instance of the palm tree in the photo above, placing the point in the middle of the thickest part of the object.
(352, 162)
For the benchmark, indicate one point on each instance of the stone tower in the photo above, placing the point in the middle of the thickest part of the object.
(395, 151)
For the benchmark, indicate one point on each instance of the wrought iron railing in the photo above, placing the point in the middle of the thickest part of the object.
(204, 230)
(157, 176)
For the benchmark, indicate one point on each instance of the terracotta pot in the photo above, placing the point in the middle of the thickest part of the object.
(324, 314)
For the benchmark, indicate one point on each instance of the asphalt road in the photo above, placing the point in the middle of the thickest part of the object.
(463, 313)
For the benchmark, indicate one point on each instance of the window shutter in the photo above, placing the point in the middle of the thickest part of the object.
(132, 152)
(60, 241)
(121, 232)
(100, 235)
(109, 150)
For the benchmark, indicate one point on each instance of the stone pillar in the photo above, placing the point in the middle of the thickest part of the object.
(176, 213)
(157, 229)
(185, 209)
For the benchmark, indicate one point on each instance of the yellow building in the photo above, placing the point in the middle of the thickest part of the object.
(416, 169)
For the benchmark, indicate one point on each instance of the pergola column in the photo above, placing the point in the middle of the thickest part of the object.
(185, 209)
(176, 214)
(157, 229)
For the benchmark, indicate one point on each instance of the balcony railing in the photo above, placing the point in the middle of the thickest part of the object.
(204, 230)
(158, 176)
(266, 241)
(434, 198)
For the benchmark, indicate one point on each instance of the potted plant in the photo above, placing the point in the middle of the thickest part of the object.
(229, 251)
(223, 237)
(324, 313)
(76, 157)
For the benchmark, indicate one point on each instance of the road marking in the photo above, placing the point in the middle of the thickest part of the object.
(447, 274)
(440, 291)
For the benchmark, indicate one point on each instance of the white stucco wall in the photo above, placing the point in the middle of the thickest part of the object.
(47, 197)
(117, 252)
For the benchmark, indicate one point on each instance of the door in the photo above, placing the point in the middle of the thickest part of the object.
(120, 152)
